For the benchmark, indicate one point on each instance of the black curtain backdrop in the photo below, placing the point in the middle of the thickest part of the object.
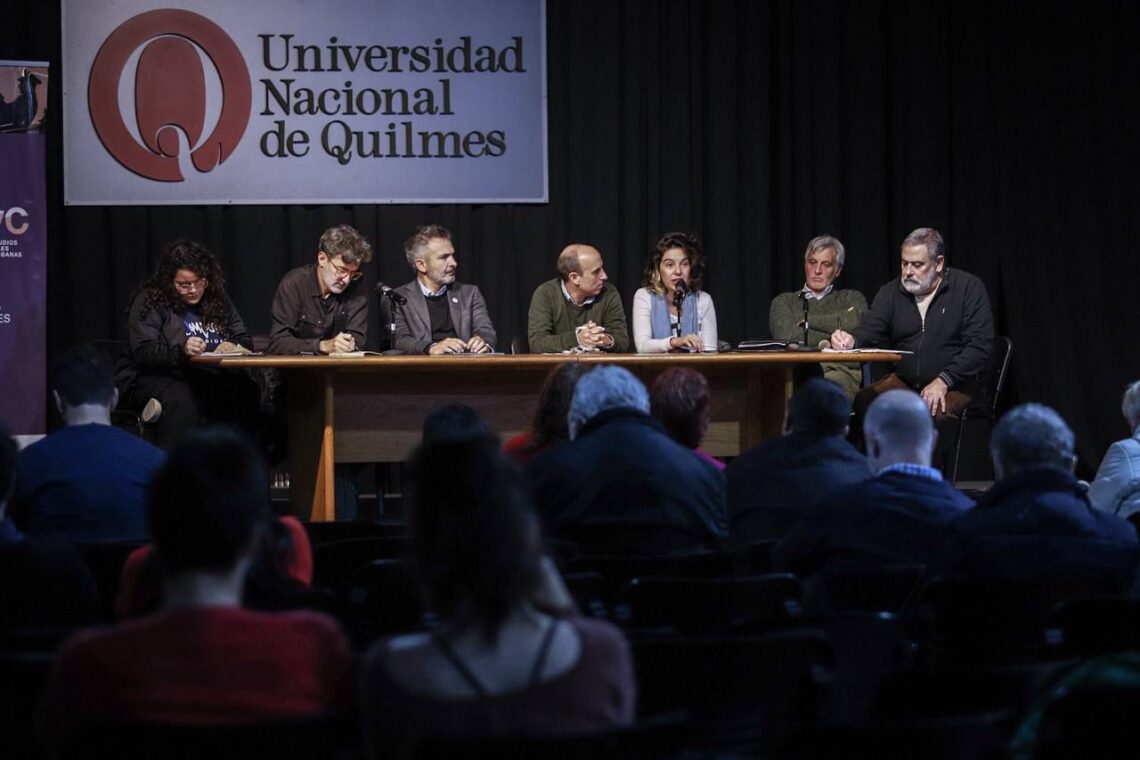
(1010, 126)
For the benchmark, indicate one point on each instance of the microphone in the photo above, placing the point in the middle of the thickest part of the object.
(392, 295)
(679, 294)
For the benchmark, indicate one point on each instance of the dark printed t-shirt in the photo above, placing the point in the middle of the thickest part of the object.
(207, 332)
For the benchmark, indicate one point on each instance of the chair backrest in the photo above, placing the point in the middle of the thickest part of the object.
(765, 683)
(701, 605)
(990, 620)
(343, 530)
(1090, 721)
(625, 568)
(384, 599)
(106, 559)
(590, 593)
(998, 370)
(322, 736)
(646, 740)
(23, 675)
(887, 588)
(335, 562)
(1096, 625)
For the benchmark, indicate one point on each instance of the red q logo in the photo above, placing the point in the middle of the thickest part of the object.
(169, 93)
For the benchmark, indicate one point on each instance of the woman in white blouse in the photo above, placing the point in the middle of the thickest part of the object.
(671, 293)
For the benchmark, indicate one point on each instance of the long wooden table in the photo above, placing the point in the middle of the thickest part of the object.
(371, 409)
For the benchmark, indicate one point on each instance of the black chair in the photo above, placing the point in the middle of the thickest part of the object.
(743, 692)
(322, 737)
(702, 605)
(922, 695)
(989, 621)
(590, 593)
(976, 421)
(754, 558)
(619, 570)
(766, 522)
(335, 562)
(849, 588)
(383, 600)
(646, 740)
(1090, 721)
(106, 559)
(27, 656)
(979, 735)
(1096, 625)
(344, 530)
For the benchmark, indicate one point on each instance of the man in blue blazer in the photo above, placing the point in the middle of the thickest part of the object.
(439, 315)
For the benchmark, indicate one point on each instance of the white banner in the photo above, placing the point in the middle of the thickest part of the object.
(304, 101)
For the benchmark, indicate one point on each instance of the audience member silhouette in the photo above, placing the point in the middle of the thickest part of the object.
(1036, 521)
(43, 582)
(1116, 489)
(201, 658)
(549, 428)
(279, 578)
(621, 485)
(898, 516)
(86, 481)
(772, 485)
(679, 400)
(453, 422)
(509, 656)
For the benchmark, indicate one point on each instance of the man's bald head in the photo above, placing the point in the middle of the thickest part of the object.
(898, 428)
(582, 271)
(570, 260)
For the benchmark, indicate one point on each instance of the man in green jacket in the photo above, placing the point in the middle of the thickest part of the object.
(828, 308)
(577, 309)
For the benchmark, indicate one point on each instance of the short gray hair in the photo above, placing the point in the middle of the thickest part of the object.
(823, 242)
(929, 237)
(414, 246)
(1130, 404)
(606, 387)
(1032, 435)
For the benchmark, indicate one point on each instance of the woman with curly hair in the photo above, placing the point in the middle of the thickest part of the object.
(670, 311)
(181, 311)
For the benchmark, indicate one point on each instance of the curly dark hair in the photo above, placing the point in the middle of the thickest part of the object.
(192, 256)
(651, 277)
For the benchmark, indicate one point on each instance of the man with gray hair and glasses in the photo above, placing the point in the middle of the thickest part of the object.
(1036, 522)
(621, 485)
(322, 307)
(824, 307)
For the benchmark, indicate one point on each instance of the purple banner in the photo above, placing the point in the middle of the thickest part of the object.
(23, 250)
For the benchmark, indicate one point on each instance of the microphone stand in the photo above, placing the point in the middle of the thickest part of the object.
(395, 301)
(678, 300)
(805, 344)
